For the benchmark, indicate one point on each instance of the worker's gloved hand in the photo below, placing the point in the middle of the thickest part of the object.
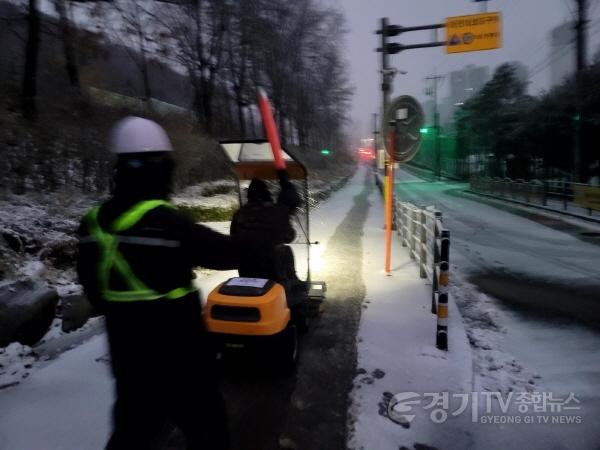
(284, 180)
(289, 197)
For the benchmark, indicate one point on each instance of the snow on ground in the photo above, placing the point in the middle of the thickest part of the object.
(66, 401)
(39, 231)
(210, 194)
(37, 241)
(65, 405)
(553, 210)
(15, 360)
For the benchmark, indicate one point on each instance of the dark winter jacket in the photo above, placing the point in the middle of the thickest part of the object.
(266, 225)
(162, 249)
(174, 245)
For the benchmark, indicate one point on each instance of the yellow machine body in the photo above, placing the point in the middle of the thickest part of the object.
(264, 315)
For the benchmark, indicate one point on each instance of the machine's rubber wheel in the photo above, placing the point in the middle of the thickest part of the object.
(300, 318)
(288, 349)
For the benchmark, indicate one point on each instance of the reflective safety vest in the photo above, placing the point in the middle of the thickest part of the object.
(111, 258)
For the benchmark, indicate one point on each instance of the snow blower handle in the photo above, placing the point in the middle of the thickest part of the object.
(266, 113)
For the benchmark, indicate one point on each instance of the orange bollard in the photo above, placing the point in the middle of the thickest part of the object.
(389, 201)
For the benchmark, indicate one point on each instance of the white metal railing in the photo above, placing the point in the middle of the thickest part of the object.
(422, 231)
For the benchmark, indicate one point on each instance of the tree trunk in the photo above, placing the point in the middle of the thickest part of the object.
(206, 97)
(147, 90)
(144, 69)
(241, 119)
(29, 92)
(67, 40)
(253, 127)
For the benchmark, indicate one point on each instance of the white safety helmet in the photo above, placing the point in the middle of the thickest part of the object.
(137, 135)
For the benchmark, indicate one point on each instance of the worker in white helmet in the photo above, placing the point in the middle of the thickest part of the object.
(135, 262)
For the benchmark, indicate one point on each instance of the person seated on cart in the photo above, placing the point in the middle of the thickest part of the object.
(267, 224)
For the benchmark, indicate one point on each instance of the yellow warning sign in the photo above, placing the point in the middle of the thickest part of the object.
(473, 32)
(587, 196)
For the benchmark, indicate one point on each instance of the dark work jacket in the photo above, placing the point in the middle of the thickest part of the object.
(266, 225)
(171, 330)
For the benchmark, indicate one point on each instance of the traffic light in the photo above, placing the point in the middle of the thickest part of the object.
(325, 151)
(424, 130)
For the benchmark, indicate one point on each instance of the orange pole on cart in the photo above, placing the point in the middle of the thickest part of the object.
(268, 121)
(389, 201)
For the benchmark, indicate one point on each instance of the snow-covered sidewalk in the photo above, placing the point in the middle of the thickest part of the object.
(66, 404)
(397, 352)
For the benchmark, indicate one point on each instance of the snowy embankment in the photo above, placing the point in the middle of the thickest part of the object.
(38, 246)
(66, 401)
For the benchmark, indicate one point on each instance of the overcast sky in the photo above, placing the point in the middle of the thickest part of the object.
(526, 27)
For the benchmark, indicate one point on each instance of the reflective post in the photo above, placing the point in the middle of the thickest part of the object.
(389, 200)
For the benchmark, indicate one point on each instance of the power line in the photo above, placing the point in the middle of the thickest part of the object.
(547, 61)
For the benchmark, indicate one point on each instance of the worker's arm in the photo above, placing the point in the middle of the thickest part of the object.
(234, 228)
(208, 248)
(88, 257)
(288, 195)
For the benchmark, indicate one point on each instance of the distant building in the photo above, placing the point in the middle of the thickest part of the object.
(447, 110)
(465, 83)
(428, 108)
(562, 52)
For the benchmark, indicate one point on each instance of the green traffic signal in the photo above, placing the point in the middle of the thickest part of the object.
(424, 130)
(325, 151)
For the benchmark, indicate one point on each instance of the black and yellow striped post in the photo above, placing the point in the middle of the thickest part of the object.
(441, 341)
(436, 259)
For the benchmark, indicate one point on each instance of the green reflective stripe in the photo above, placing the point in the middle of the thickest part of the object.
(106, 243)
(111, 258)
(179, 292)
(128, 296)
(125, 296)
(131, 217)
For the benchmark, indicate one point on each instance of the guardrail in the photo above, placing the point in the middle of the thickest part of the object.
(422, 230)
(561, 195)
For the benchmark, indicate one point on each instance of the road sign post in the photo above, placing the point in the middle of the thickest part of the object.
(473, 32)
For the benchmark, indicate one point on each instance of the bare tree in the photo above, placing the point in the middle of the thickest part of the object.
(29, 91)
(137, 27)
(196, 29)
(67, 37)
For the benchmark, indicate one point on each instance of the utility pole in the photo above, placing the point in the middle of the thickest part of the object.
(375, 147)
(385, 69)
(436, 124)
(581, 63)
(387, 76)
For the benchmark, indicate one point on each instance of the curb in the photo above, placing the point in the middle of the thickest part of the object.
(532, 205)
